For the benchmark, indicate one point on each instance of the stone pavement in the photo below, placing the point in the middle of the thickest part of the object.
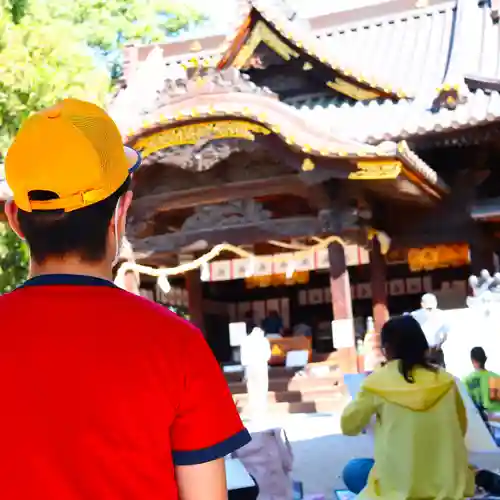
(320, 451)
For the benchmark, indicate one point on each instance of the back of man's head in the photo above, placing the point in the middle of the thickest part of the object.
(478, 357)
(82, 233)
(68, 170)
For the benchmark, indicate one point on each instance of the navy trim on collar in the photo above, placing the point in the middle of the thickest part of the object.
(68, 279)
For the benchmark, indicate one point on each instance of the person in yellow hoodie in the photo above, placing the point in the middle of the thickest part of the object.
(419, 423)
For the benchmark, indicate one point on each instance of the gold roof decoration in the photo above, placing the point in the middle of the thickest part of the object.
(300, 38)
(221, 107)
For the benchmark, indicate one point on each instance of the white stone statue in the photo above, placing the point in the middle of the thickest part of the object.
(435, 326)
(255, 355)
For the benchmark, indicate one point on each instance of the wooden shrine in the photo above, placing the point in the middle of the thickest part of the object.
(377, 125)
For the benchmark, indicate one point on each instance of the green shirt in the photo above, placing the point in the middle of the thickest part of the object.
(478, 387)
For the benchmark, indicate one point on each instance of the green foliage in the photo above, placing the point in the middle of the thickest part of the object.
(52, 49)
(14, 260)
(36, 70)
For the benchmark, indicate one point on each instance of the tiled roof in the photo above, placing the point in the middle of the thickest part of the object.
(375, 122)
(299, 33)
(420, 50)
(405, 46)
(409, 50)
(476, 46)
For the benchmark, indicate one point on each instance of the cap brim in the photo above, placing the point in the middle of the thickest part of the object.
(134, 159)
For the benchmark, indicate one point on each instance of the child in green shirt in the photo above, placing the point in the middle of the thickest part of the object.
(478, 382)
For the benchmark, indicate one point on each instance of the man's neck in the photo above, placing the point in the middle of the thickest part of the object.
(72, 266)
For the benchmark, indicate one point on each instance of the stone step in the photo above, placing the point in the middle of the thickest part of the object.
(302, 384)
(329, 405)
(329, 365)
(274, 372)
(293, 396)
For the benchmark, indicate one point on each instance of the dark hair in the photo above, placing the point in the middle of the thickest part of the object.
(82, 232)
(478, 355)
(406, 342)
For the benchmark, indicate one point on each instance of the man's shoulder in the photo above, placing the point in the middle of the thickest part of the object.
(127, 307)
(13, 299)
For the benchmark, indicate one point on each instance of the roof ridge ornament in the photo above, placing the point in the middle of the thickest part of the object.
(141, 92)
(449, 96)
(462, 59)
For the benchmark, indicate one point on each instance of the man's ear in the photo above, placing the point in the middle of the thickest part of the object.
(122, 211)
(11, 212)
(126, 202)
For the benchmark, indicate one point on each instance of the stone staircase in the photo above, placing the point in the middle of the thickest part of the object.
(317, 388)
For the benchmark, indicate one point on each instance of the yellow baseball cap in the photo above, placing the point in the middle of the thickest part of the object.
(73, 149)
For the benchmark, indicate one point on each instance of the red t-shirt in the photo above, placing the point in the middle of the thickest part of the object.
(102, 393)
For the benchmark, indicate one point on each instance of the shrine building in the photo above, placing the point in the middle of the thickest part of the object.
(331, 168)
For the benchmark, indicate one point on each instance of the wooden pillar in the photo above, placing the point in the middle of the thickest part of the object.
(378, 276)
(195, 299)
(343, 325)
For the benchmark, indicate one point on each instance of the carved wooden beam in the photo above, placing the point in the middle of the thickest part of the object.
(145, 206)
(329, 222)
(242, 234)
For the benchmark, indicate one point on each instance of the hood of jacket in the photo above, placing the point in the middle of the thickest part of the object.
(427, 390)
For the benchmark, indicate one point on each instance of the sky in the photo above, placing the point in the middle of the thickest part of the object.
(221, 13)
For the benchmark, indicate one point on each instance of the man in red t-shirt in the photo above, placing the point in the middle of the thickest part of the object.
(104, 395)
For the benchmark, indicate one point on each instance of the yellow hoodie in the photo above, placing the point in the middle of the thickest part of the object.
(419, 435)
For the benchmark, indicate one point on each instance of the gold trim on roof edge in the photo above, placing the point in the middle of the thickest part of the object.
(309, 45)
(306, 139)
(262, 33)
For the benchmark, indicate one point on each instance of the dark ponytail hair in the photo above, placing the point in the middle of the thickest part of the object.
(404, 339)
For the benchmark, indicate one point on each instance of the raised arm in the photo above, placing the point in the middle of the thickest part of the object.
(357, 414)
